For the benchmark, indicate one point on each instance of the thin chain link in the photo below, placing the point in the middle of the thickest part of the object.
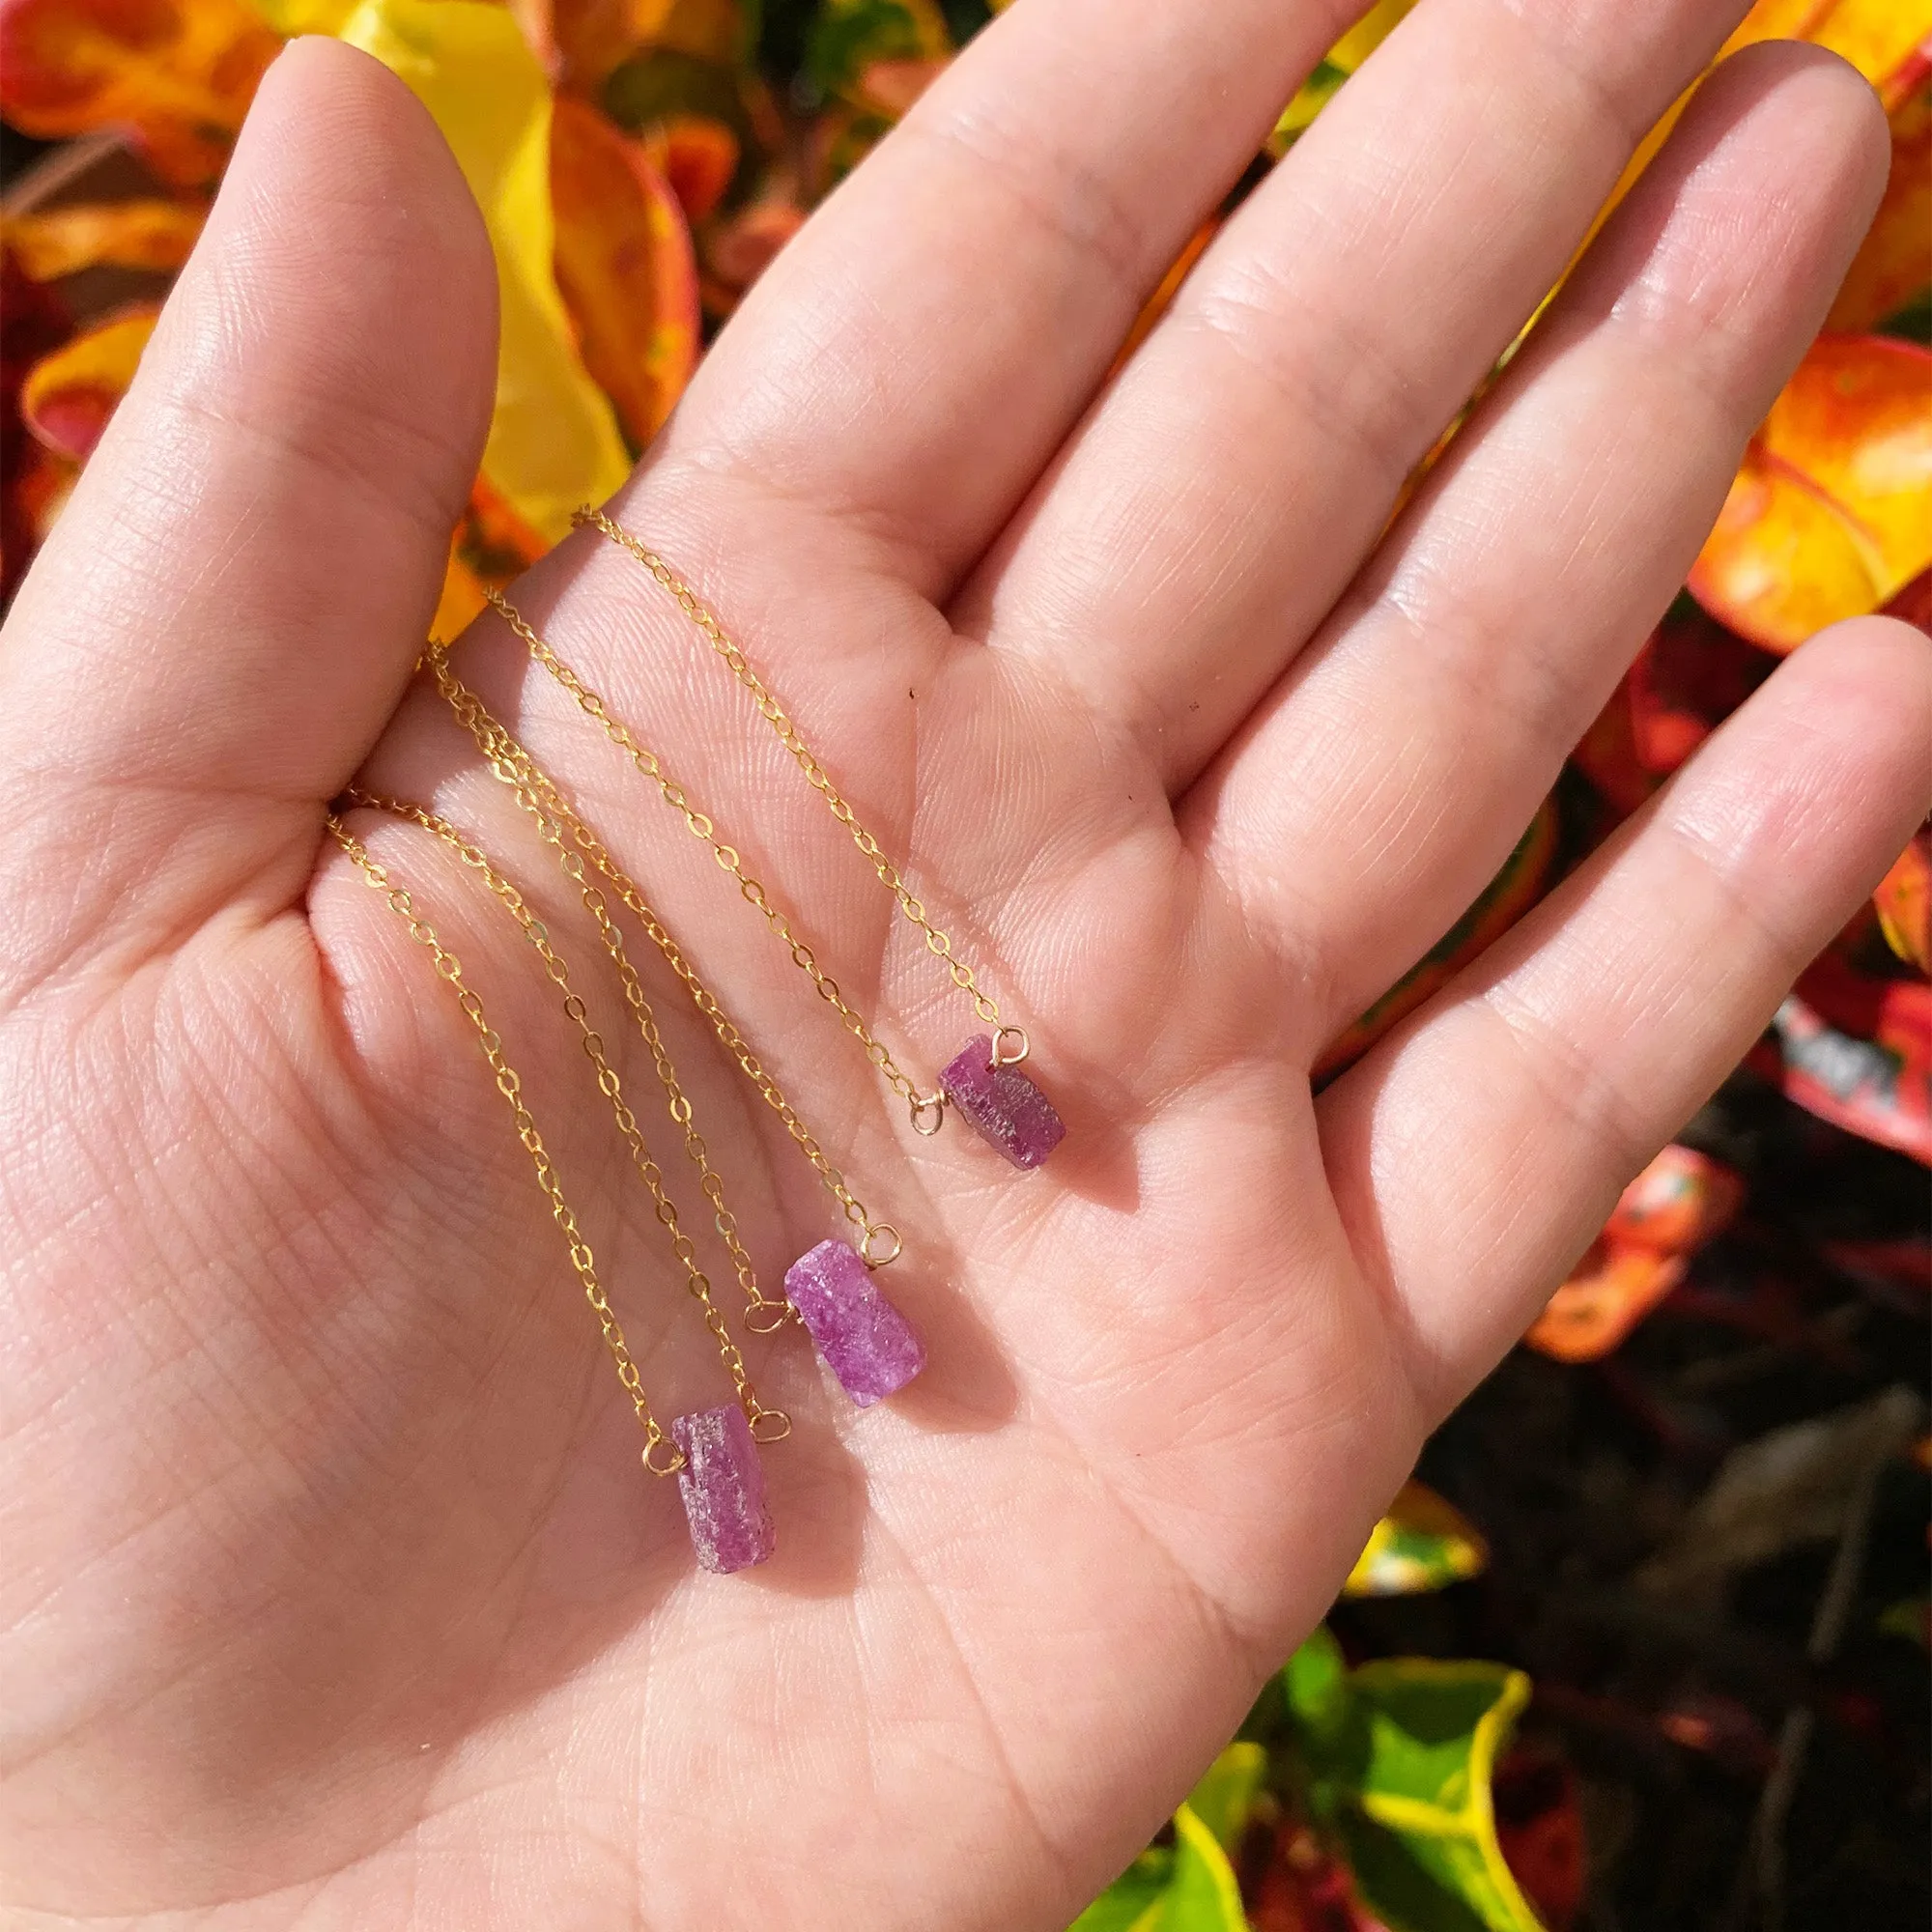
(552, 815)
(450, 971)
(924, 1107)
(820, 779)
(772, 1425)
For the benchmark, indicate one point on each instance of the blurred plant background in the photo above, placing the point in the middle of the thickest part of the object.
(1690, 1515)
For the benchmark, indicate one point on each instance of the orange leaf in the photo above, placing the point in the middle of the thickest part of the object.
(582, 43)
(492, 544)
(1780, 563)
(625, 266)
(1904, 903)
(34, 321)
(1681, 1201)
(1613, 1291)
(738, 252)
(461, 596)
(179, 74)
(1857, 418)
(67, 396)
(1827, 517)
(697, 155)
(145, 234)
(1895, 260)
(496, 541)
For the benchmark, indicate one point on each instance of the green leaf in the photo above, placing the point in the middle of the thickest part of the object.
(1316, 1680)
(1189, 1888)
(1910, 1618)
(1226, 1792)
(1203, 1895)
(1129, 1904)
(1343, 58)
(1420, 1835)
(1422, 1544)
(850, 35)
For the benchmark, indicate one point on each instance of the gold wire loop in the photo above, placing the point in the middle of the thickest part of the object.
(1001, 1058)
(767, 1318)
(929, 1113)
(668, 1468)
(770, 1425)
(872, 1234)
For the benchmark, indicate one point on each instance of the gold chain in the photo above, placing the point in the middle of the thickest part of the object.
(927, 1109)
(450, 971)
(768, 1425)
(537, 794)
(816, 776)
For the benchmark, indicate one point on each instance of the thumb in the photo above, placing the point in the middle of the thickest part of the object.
(230, 606)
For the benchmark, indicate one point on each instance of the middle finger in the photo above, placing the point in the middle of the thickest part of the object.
(1222, 493)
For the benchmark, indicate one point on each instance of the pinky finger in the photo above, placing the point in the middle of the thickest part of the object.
(1477, 1151)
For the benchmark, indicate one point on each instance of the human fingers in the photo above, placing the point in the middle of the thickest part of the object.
(1227, 487)
(914, 358)
(231, 604)
(1389, 777)
(1477, 1151)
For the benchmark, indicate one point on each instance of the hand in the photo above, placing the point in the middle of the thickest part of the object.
(335, 1593)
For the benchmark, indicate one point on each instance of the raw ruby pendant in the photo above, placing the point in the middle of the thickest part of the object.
(722, 1485)
(1009, 1112)
(866, 1343)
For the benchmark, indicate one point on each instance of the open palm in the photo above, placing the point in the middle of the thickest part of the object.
(334, 1594)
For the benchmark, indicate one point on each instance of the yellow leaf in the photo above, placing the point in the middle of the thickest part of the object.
(1368, 34)
(553, 441)
(67, 396)
(290, 17)
(1336, 66)
(1424, 1543)
(1877, 36)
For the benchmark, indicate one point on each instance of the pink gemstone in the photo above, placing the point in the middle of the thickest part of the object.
(1008, 1110)
(866, 1343)
(722, 1485)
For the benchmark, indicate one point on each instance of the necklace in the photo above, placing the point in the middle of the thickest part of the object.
(864, 1339)
(983, 1080)
(712, 1452)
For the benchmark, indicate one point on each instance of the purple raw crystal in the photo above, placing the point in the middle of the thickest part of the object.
(1008, 1110)
(723, 1488)
(866, 1343)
